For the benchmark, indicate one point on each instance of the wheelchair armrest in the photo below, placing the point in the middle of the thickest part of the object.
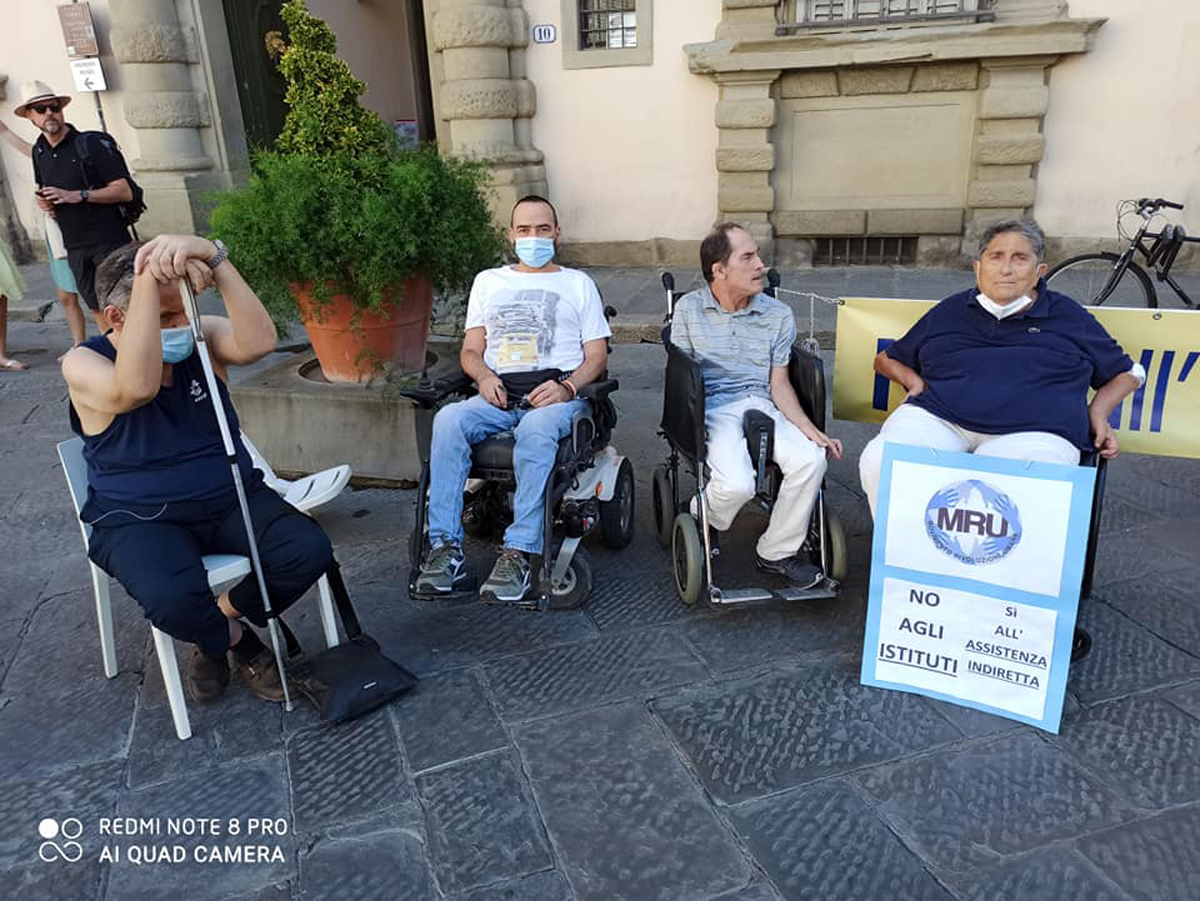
(427, 395)
(598, 390)
(759, 429)
(583, 430)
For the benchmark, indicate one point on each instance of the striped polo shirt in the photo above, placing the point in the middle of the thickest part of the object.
(736, 350)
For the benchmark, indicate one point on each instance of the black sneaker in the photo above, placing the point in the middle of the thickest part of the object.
(800, 572)
(510, 579)
(208, 678)
(444, 571)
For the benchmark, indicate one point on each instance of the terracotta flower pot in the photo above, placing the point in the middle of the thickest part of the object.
(353, 346)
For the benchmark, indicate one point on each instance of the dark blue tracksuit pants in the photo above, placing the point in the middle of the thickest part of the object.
(155, 550)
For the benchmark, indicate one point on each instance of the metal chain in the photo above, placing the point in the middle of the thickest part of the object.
(811, 344)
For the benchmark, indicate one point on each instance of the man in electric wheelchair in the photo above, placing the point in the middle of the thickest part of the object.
(536, 349)
(742, 340)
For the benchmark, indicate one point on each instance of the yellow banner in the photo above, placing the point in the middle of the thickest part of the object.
(1162, 417)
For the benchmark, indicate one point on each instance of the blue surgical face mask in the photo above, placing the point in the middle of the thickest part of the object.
(535, 252)
(177, 344)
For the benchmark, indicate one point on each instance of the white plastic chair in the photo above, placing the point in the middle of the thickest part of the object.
(306, 493)
(224, 572)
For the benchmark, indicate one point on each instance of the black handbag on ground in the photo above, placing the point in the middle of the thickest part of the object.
(351, 678)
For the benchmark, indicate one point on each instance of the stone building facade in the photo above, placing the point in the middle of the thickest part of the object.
(912, 132)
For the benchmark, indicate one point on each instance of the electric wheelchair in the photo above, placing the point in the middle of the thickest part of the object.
(693, 545)
(590, 488)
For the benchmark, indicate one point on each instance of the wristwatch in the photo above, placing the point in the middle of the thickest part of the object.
(222, 254)
(84, 195)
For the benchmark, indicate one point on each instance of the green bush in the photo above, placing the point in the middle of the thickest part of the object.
(338, 205)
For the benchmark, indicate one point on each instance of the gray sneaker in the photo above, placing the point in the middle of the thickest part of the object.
(510, 579)
(443, 572)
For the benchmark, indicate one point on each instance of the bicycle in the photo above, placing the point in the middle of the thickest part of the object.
(1095, 278)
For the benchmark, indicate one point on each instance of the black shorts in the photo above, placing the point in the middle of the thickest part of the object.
(83, 262)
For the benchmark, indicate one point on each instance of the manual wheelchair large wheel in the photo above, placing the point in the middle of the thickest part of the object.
(575, 586)
(835, 540)
(687, 553)
(664, 505)
(616, 515)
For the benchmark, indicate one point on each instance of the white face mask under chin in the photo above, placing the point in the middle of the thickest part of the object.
(1002, 311)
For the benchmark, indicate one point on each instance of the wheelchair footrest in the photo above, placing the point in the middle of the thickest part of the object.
(827, 590)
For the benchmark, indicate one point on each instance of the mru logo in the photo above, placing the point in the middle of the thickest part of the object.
(59, 840)
(973, 522)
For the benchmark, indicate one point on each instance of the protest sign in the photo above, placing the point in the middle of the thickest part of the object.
(975, 573)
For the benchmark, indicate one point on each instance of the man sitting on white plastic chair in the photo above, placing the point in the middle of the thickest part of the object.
(1003, 368)
(160, 490)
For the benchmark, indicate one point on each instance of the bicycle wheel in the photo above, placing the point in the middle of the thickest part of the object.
(1086, 276)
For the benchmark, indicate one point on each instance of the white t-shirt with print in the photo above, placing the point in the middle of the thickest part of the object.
(535, 320)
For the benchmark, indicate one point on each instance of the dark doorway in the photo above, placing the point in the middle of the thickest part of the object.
(256, 33)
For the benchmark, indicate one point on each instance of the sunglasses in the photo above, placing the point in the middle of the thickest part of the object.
(43, 108)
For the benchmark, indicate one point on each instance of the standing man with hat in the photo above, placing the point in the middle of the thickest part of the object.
(82, 180)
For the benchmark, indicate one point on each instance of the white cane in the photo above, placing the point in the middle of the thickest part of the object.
(193, 315)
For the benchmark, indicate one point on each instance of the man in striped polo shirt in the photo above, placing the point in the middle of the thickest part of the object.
(743, 339)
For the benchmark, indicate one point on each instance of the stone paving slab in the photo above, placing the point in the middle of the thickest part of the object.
(762, 634)
(1143, 747)
(963, 807)
(633, 602)
(67, 624)
(1156, 859)
(824, 842)
(429, 637)
(447, 718)
(1135, 553)
(481, 823)
(625, 818)
(89, 725)
(345, 772)
(1165, 603)
(86, 793)
(1125, 658)
(385, 866)
(256, 788)
(1059, 873)
(239, 726)
(563, 679)
(540, 887)
(78, 882)
(753, 738)
(1187, 698)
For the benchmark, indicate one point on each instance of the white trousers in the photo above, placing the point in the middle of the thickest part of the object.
(910, 424)
(731, 481)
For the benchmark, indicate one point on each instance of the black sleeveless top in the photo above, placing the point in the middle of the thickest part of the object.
(167, 450)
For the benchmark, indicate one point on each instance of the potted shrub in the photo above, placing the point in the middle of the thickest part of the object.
(341, 228)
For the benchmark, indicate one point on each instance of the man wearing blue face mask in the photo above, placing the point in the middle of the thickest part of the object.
(160, 493)
(535, 335)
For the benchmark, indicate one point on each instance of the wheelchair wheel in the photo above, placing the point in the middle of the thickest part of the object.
(616, 515)
(687, 551)
(664, 505)
(575, 586)
(835, 537)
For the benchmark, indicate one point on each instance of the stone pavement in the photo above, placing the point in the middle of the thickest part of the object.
(635, 749)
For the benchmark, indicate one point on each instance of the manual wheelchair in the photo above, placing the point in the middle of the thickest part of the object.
(692, 545)
(590, 488)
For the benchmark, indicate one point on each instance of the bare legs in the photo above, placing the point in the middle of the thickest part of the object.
(5, 361)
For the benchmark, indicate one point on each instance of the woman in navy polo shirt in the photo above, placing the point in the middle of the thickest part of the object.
(1004, 369)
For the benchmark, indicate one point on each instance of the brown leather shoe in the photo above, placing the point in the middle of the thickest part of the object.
(208, 678)
(261, 675)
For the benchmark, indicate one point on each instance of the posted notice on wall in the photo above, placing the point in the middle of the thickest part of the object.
(976, 567)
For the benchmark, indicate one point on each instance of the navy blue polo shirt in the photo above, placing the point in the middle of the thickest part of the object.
(1029, 372)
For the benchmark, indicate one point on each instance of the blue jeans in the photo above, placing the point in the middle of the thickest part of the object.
(458, 426)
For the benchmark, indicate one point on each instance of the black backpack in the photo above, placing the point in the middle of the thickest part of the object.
(88, 143)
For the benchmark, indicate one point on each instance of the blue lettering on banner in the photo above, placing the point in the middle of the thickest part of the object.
(879, 394)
